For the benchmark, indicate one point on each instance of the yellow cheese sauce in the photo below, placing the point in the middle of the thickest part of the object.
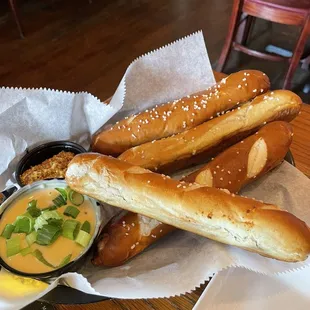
(53, 253)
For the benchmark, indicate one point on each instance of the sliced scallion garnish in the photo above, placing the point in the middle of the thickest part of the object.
(55, 222)
(7, 231)
(83, 238)
(72, 212)
(39, 256)
(70, 229)
(31, 238)
(48, 234)
(76, 198)
(12, 246)
(86, 227)
(40, 222)
(45, 217)
(59, 201)
(32, 209)
(51, 215)
(63, 193)
(22, 224)
(32, 204)
(25, 251)
(65, 261)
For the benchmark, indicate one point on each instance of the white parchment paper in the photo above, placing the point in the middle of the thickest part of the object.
(181, 261)
(241, 289)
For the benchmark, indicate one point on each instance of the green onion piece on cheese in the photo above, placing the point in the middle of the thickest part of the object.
(25, 251)
(65, 261)
(48, 234)
(7, 231)
(55, 222)
(32, 204)
(59, 201)
(39, 256)
(72, 211)
(83, 238)
(32, 209)
(40, 222)
(86, 227)
(23, 224)
(12, 246)
(51, 215)
(70, 229)
(63, 193)
(31, 238)
(76, 198)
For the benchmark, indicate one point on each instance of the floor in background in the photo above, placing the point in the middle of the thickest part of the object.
(77, 46)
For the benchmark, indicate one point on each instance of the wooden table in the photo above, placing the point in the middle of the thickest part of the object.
(301, 152)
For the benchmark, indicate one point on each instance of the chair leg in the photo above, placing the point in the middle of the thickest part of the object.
(233, 26)
(13, 7)
(247, 29)
(298, 51)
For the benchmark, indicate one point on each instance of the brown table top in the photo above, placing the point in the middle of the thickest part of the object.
(301, 152)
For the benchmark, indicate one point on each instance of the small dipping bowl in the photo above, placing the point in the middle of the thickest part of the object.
(78, 261)
(42, 152)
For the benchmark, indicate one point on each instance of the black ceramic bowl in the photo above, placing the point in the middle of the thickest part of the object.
(42, 152)
(77, 262)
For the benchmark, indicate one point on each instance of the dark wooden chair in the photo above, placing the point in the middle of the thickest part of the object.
(288, 12)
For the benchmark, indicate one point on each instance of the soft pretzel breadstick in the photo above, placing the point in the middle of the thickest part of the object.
(179, 115)
(185, 148)
(128, 235)
(210, 212)
(247, 160)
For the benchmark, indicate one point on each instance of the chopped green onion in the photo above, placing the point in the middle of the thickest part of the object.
(25, 251)
(51, 215)
(70, 229)
(83, 238)
(48, 234)
(39, 256)
(44, 217)
(32, 204)
(31, 238)
(63, 193)
(12, 246)
(59, 201)
(65, 261)
(55, 222)
(22, 224)
(51, 208)
(72, 212)
(34, 212)
(7, 231)
(86, 227)
(32, 209)
(76, 198)
(40, 222)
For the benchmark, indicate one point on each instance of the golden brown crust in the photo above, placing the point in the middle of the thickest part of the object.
(179, 115)
(232, 168)
(186, 147)
(210, 212)
(122, 239)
